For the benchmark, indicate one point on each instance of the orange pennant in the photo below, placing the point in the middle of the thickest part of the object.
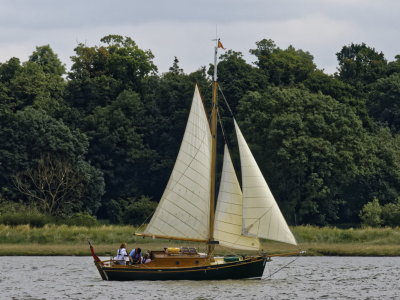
(220, 45)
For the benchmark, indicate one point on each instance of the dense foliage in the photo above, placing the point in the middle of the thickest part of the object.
(375, 215)
(101, 139)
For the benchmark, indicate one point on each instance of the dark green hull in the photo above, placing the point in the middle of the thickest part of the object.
(248, 268)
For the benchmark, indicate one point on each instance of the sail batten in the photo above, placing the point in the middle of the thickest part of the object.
(185, 229)
(228, 215)
(185, 203)
(185, 210)
(261, 215)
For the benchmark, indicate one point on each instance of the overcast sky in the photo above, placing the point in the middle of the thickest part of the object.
(184, 28)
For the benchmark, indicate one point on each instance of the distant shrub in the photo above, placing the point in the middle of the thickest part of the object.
(391, 213)
(374, 215)
(138, 211)
(15, 213)
(114, 210)
(370, 214)
(12, 207)
(81, 219)
(33, 219)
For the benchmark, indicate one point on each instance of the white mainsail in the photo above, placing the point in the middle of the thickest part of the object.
(261, 215)
(184, 208)
(228, 214)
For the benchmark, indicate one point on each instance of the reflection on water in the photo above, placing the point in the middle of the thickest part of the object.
(306, 278)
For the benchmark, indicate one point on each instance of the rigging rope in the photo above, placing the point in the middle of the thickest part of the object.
(270, 275)
(226, 102)
(144, 222)
(222, 127)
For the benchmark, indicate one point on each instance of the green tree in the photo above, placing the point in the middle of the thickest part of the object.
(283, 66)
(377, 172)
(29, 134)
(329, 85)
(138, 211)
(384, 101)
(100, 73)
(391, 213)
(48, 60)
(236, 77)
(394, 66)
(370, 214)
(54, 185)
(307, 145)
(117, 147)
(360, 65)
(31, 86)
(175, 67)
(8, 71)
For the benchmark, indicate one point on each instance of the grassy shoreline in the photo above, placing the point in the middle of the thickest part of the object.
(72, 240)
(315, 249)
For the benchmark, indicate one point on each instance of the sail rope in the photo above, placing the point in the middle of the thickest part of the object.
(144, 222)
(222, 127)
(226, 102)
(292, 261)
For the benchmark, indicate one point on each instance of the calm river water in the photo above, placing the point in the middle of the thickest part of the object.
(305, 278)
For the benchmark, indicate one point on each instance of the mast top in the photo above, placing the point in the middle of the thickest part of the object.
(218, 44)
(215, 60)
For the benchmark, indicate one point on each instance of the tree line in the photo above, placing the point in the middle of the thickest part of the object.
(102, 137)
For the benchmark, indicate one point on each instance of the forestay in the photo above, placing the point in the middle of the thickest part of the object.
(184, 208)
(228, 215)
(261, 215)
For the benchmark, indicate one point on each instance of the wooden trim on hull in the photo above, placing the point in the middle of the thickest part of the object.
(248, 268)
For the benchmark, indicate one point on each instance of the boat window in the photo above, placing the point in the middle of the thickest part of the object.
(177, 262)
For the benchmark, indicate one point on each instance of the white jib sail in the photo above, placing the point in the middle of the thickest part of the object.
(184, 208)
(261, 215)
(228, 215)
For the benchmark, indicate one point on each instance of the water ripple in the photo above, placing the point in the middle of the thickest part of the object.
(308, 278)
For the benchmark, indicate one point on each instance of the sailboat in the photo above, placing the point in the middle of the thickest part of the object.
(187, 211)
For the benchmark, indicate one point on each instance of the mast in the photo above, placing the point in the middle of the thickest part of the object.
(211, 242)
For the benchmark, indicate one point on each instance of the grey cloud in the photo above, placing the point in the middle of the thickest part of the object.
(42, 14)
(26, 24)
